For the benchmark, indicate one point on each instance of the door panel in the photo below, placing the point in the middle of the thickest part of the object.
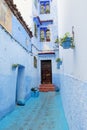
(46, 72)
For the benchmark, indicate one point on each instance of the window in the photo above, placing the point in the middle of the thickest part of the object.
(42, 9)
(35, 30)
(47, 10)
(35, 62)
(44, 35)
(48, 35)
(45, 7)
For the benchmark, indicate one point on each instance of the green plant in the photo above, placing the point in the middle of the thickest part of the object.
(58, 60)
(35, 30)
(42, 39)
(47, 11)
(65, 38)
(57, 40)
(72, 46)
(14, 65)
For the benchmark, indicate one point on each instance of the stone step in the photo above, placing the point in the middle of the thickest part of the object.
(46, 87)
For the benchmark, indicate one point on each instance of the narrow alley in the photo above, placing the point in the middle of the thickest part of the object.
(43, 51)
(41, 113)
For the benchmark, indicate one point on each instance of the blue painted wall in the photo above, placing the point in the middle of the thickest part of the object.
(74, 96)
(12, 53)
(47, 46)
(20, 34)
(15, 50)
(55, 71)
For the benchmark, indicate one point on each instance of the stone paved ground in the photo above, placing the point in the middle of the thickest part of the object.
(42, 113)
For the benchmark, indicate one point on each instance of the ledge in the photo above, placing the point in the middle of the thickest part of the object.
(46, 53)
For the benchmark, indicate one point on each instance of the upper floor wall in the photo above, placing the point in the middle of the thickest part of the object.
(45, 27)
(45, 9)
(20, 34)
(12, 21)
(5, 16)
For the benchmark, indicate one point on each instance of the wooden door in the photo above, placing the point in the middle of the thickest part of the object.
(46, 72)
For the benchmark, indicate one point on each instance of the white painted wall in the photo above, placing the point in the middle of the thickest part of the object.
(73, 13)
(73, 72)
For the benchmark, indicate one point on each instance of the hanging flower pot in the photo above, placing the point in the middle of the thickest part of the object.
(67, 41)
(59, 62)
(14, 66)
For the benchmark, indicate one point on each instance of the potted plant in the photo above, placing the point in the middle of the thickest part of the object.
(57, 43)
(34, 92)
(57, 40)
(14, 65)
(47, 11)
(67, 41)
(42, 39)
(59, 62)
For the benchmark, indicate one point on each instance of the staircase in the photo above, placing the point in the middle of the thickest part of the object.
(46, 87)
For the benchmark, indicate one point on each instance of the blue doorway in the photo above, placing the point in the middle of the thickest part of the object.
(20, 89)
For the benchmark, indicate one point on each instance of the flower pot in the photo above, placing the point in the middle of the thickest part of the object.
(35, 93)
(66, 44)
(58, 64)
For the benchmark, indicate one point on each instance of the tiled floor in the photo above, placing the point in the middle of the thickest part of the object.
(42, 113)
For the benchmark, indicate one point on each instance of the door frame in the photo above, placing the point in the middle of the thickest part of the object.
(41, 70)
